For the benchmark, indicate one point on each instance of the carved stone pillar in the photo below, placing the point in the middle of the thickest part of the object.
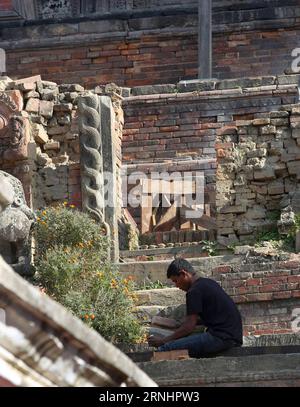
(97, 156)
(16, 221)
(109, 167)
(14, 139)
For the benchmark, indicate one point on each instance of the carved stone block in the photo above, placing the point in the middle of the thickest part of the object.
(16, 222)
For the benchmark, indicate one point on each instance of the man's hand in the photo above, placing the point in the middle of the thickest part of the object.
(155, 340)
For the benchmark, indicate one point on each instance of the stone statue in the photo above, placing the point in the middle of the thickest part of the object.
(16, 223)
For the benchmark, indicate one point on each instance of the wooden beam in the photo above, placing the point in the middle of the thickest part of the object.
(205, 222)
(204, 39)
(146, 213)
(167, 221)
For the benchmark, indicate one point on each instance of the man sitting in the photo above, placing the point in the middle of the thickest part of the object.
(207, 300)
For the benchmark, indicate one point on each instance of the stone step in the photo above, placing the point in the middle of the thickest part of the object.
(253, 370)
(146, 355)
(151, 271)
(168, 302)
(160, 297)
(185, 249)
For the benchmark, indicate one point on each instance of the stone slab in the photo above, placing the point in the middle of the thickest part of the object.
(254, 369)
(148, 271)
(42, 320)
(170, 355)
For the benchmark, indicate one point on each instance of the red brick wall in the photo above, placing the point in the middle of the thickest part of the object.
(152, 59)
(164, 135)
(6, 5)
(185, 124)
(266, 294)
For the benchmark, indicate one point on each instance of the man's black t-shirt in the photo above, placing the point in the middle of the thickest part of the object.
(216, 309)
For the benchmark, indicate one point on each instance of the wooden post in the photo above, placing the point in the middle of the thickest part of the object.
(204, 39)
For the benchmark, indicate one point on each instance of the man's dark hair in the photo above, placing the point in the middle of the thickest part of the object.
(177, 265)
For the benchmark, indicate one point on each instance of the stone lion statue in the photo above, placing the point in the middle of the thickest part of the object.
(16, 223)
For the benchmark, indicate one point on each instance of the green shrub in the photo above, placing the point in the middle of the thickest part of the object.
(210, 247)
(67, 227)
(73, 267)
(295, 229)
(283, 243)
(150, 285)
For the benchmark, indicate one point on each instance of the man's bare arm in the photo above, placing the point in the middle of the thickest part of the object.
(185, 329)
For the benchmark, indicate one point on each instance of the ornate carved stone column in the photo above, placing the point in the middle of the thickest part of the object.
(91, 163)
(14, 139)
(97, 156)
(109, 167)
(16, 221)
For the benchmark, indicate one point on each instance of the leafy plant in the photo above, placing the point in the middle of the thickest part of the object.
(72, 266)
(267, 236)
(150, 285)
(296, 226)
(273, 215)
(132, 237)
(284, 243)
(210, 247)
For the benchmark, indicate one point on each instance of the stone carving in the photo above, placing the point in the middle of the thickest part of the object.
(92, 184)
(118, 4)
(135, 4)
(16, 223)
(8, 101)
(3, 122)
(18, 138)
(57, 9)
(17, 129)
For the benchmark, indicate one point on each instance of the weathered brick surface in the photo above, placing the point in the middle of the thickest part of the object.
(266, 294)
(6, 5)
(51, 172)
(257, 174)
(202, 125)
(139, 53)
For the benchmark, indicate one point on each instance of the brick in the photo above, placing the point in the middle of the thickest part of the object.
(253, 282)
(296, 294)
(170, 355)
(239, 290)
(259, 297)
(46, 109)
(282, 295)
(33, 105)
(294, 279)
(271, 288)
(292, 264)
(222, 269)
(274, 280)
(54, 145)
